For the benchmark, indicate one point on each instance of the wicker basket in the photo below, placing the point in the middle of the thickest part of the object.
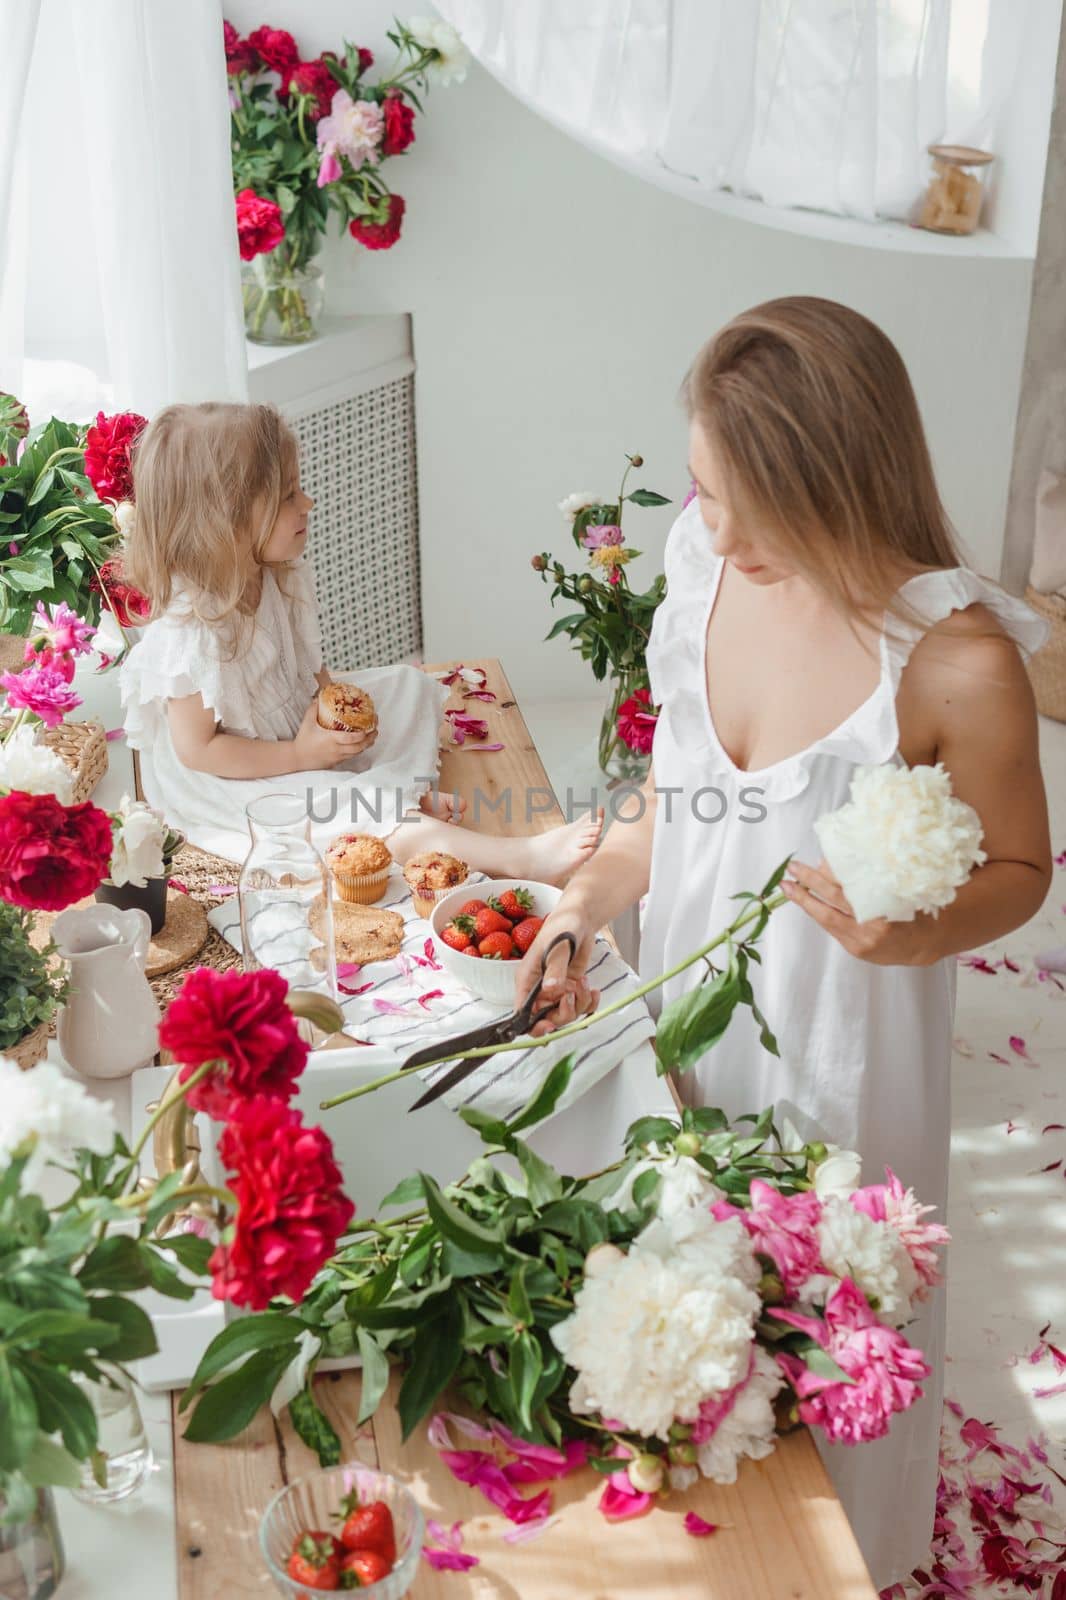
(83, 747)
(31, 1047)
(1047, 669)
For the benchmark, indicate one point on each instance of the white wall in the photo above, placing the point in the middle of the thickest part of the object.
(557, 302)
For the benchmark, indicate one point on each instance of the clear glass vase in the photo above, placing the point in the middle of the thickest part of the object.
(282, 303)
(125, 1457)
(617, 759)
(285, 896)
(32, 1559)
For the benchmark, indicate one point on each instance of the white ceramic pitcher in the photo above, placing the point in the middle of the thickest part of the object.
(108, 1027)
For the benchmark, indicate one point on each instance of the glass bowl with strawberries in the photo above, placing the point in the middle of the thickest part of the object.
(482, 931)
(346, 1527)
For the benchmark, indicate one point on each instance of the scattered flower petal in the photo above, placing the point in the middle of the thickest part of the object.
(114, 733)
(221, 889)
(176, 883)
(484, 749)
(698, 1527)
(1017, 1044)
(433, 994)
(530, 1531)
(431, 956)
(389, 1008)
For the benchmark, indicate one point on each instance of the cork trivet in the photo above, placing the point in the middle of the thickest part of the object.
(182, 936)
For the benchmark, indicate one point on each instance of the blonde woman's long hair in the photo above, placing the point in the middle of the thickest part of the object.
(810, 410)
(208, 482)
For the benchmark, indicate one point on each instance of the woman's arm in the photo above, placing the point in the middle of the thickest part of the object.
(615, 877)
(201, 745)
(965, 701)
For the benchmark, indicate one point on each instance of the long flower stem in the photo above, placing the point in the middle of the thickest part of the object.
(169, 1103)
(753, 911)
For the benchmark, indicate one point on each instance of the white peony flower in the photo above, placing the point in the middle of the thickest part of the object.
(454, 57)
(684, 1184)
(51, 1114)
(747, 1430)
(671, 1324)
(577, 502)
(33, 768)
(137, 854)
(871, 1253)
(839, 1172)
(902, 843)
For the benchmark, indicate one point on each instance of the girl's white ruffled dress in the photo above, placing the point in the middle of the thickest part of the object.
(262, 692)
(865, 1050)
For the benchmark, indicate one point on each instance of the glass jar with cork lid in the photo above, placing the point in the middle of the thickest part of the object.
(952, 202)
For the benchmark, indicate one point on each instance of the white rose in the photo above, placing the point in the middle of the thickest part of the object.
(902, 843)
(33, 768)
(137, 854)
(454, 57)
(577, 502)
(838, 1172)
(50, 1115)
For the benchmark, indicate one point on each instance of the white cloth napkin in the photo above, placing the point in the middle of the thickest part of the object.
(501, 1085)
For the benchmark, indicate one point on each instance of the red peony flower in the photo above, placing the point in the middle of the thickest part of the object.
(240, 1020)
(277, 49)
(314, 77)
(380, 235)
(240, 56)
(259, 224)
(291, 1209)
(130, 606)
(51, 855)
(399, 125)
(636, 722)
(108, 446)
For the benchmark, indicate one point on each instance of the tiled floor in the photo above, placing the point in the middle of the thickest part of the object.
(1007, 1215)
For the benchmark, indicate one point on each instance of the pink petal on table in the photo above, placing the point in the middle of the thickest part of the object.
(1012, 1127)
(221, 889)
(430, 950)
(1001, 1059)
(176, 883)
(978, 964)
(1052, 1165)
(449, 1560)
(618, 1506)
(433, 994)
(1060, 860)
(437, 1430)
(348, 969)
(1011, 966)
(364, 988)
(529, 1531)
(481, 1471)
(405, 964)
(1049, 1393)
(963, 1047)
(389, 1008)
(1054, 1127)
(478, 694)
(114, 733)
(1017, 1044)
(483, 749)
(698, 1527)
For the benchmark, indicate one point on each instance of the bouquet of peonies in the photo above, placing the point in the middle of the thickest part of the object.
(66, 497)
(310, 137)
(612, 628)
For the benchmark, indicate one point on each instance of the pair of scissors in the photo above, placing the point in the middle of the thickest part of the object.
(515, 1026)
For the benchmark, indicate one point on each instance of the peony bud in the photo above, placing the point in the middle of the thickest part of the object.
(636, 461)
(680, 1432)
(817, 1151)
(584, 585)
(645, 1473)
(684, 1455)
(123, 516)
(688, 1144)
(771, 1290)
(538, 564)
(601, 1258)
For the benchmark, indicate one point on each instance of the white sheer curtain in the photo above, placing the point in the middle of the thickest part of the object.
(827, 104)
(18, 29)
(129, 233)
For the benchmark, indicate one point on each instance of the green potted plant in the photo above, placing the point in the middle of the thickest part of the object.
(32, 988)
(141, 861)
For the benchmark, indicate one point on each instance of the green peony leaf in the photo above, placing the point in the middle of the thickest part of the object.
(315, 1428)
(229, 1405)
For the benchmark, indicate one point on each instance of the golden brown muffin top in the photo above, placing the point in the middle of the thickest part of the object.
(347, 702)
(433, 869)
(358, 853)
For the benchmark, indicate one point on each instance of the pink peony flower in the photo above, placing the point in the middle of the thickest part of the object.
(330, 168)
(619, 1501)
(601, 535)
(783, 1227)
(44, 691)
(890, 1202)
(886, 1371)
(636, 718)
(355, 127)
(55, 640)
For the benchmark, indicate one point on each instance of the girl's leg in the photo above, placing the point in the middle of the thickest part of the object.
(550, 857)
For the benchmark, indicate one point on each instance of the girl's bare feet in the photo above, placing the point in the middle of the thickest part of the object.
(554, 856)
(551, 857)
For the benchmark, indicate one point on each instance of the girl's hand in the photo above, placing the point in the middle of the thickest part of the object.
(315, 747)
(565, 985)
(886, 944)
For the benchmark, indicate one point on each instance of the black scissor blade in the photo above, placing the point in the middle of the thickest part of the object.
(488, 1033)
(454, 1075)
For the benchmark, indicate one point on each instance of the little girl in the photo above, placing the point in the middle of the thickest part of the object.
(220, 692)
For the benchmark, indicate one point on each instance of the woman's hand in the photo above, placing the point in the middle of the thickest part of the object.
(315, 747)
(566, 985)
(886, 944)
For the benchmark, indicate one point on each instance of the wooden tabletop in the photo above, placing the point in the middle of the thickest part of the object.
(782, 1533)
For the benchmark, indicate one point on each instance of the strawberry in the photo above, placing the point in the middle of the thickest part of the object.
(525, 932)
(472, 950)
(472, 908)
(514, 903)
(489, 921)
(314, 1561)
(455, 938)
(368, 1527)
(497, 946)
(360, 1569)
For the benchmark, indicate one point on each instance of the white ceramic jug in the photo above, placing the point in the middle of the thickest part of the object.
(108, 1027)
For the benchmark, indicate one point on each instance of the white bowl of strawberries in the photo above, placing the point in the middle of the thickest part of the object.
(483, 930)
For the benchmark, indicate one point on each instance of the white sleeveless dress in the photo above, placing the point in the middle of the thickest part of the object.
(262, 692)
(865, 1050)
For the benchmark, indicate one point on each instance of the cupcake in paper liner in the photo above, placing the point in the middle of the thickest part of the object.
(360, 866)
(430, 876)
(346, 708)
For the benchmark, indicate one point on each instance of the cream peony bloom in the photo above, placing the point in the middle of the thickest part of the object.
(839, 1172)
(454, 58)
(872, 1254)
(33, 768)
(902, 843)
(137, 854)
(47, 1114)
(748, 1430)
(577, 502)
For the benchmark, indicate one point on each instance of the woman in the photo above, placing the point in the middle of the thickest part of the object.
(818, 619)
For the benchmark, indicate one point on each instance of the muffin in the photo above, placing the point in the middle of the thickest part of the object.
(346, 708)
(360, 867)
(430, 876)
